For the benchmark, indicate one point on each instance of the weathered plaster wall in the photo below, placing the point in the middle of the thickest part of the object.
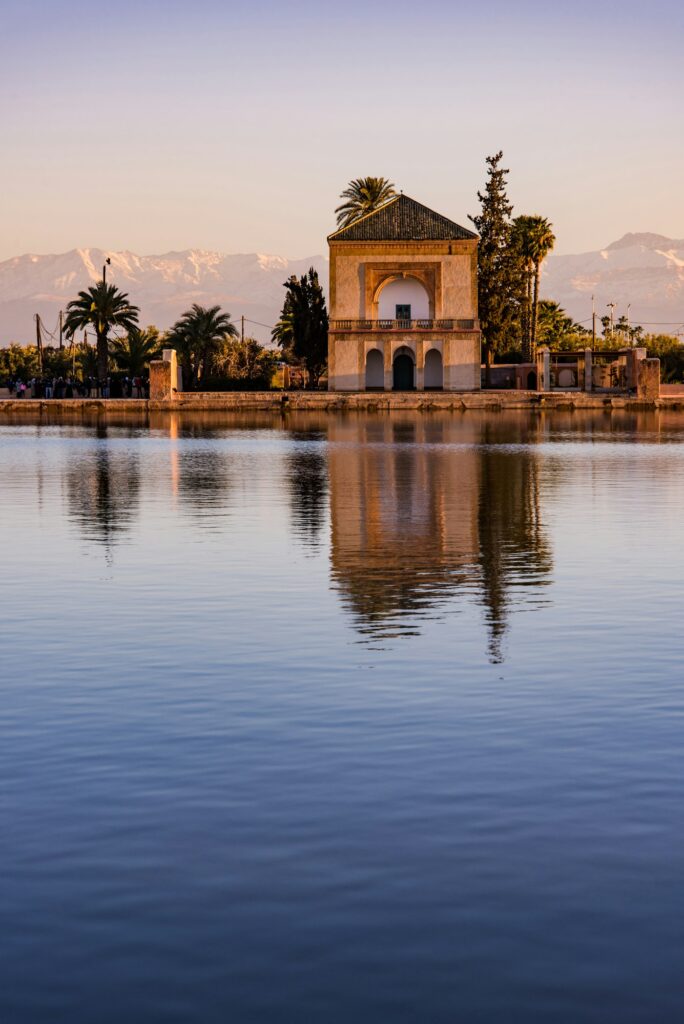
(357, 269)
(462, 363)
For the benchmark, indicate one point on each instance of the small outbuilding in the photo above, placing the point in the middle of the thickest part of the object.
(403, 302)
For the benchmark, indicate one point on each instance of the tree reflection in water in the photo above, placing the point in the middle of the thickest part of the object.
(203, 474)
(307, 475)
(515, 553)
(103, 489)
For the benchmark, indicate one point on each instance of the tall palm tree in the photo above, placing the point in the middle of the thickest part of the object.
(198, 338)
(521, 242)
(101, 306)
(133, 353)
(533, 239)
(363, 195)
(543, 242)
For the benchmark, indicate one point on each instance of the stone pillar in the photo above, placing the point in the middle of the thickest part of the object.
(628, 359)
(588, 384)
(420, 365)
(387, 352)
(544, 369)
(648, 379)
(164, 376)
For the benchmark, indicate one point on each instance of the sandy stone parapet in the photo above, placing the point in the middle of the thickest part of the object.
(322, 401)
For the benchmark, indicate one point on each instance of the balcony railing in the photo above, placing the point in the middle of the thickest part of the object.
(402, 325)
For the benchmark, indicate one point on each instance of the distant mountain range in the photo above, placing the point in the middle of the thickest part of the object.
(162, 286)
(644, 270)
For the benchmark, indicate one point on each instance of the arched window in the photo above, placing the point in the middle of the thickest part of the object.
(434, 374)
(375, 370)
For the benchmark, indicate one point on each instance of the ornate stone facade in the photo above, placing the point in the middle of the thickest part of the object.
(403, 302)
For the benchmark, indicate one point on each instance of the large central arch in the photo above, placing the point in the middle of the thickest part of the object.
(402, 297)
(378, 276)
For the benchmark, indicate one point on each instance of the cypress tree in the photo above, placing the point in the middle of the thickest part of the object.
(499, 270)
(302, 331)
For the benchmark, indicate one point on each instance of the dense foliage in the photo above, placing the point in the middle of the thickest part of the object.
(244, 366)
(22, 362)
(302, 330)
(500, 274)
(133, 353)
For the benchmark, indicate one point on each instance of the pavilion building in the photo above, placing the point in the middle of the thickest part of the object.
(403, 302)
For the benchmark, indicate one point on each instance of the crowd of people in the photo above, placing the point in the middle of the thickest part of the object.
(72, 387)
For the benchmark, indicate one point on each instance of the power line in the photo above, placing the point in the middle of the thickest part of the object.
(258, 323)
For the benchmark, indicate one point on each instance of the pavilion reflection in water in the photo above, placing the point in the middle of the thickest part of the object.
(424, 509)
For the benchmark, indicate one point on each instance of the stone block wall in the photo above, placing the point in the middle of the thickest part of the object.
(648, 379)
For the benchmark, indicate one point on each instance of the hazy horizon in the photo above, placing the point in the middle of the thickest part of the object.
(234, 129)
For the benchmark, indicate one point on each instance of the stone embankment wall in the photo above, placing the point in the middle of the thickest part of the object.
(322, 401)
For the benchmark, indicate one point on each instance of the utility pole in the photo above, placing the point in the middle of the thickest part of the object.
(611, 307)
(593, 323)
(107, 263)
(61, 329)
(242, 329)
(629, 334)
(39, 342)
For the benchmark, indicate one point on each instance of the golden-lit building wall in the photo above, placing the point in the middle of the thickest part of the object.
(447, 272)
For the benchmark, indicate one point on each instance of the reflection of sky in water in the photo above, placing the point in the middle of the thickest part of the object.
(413, 516)
(358, 718)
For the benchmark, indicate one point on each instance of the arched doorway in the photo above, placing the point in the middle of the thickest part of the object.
(375, 371)
(434, 375)
(403, 375)
(532, 381)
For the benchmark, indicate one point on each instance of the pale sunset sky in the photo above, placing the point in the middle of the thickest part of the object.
(154, 126)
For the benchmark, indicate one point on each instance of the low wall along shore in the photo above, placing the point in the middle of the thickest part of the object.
(322, 401)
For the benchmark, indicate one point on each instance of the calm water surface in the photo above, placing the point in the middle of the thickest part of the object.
(359, 719)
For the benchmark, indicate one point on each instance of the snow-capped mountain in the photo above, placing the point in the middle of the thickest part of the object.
(644, 270)
(163, 287)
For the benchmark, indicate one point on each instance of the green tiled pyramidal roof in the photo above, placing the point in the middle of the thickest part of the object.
(401, 220)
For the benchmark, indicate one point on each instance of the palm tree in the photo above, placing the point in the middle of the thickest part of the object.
(198, 338)
(133, 353)
(363, 195)
(101, 306)
(543, 242)
(553, 323)
(536, 240)
(521, 242)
